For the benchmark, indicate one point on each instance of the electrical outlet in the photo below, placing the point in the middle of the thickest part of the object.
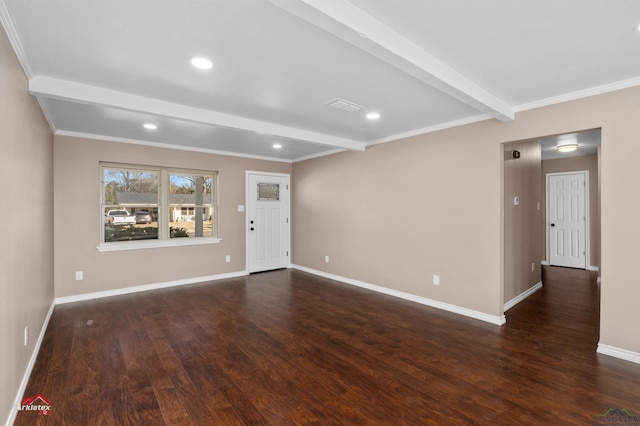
(26, 335)
(79, 275)
(436, 280)
(227, 258)
(326, 259)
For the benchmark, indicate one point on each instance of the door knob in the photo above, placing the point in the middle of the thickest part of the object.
(553, 224)
(251, 228)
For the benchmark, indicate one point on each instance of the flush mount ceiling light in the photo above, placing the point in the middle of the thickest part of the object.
(149, 126)
(201, 63)
(276, 146)
(567, 147)
(373, 116)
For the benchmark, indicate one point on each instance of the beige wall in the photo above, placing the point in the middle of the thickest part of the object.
(401, 212)
(522, 222)
(431, 204)
(77, 218)
(572, 164)
(26, 224)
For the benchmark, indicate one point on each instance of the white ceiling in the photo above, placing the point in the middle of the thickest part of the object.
(102, 68)
(587, 141)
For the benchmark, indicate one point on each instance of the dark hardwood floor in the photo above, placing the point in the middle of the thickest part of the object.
(287, 347)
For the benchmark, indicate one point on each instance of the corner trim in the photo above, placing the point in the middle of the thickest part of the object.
(147, 287)
(492, 319)
(519, 298)
(32, 361)
(619, 353)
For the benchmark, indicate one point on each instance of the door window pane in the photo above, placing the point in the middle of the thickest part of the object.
(268, 192)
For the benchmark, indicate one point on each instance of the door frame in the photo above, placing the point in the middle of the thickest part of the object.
(248, 203)
(587, 202)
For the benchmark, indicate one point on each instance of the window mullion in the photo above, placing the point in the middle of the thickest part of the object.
(163, 206)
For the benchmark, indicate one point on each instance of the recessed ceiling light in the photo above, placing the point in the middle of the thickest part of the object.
(567, 147)
(373, 116)
(636, 28)
(277, 145)
(149, 126)
(201, 63)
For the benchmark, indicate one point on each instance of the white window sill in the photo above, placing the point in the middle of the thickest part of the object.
(138, 245)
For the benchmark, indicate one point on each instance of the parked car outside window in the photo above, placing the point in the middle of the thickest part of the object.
(143, 217)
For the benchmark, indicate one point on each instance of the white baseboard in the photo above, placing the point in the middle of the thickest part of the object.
(147, 287)
(619, 353)
(32, 362)
(496, 320)
(588, 268)
(519, 298)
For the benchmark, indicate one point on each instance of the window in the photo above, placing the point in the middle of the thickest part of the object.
(191, 203)
(268, 192)
(154, 204)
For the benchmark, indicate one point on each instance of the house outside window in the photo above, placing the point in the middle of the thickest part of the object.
(142, 203)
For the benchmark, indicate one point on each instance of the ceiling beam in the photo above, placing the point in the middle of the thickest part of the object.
(98, 96)
(351, 24)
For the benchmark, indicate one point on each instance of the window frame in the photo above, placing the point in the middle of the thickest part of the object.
(163, 208)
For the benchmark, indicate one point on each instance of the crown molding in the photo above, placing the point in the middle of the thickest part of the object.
(12, 34)
(580, 94)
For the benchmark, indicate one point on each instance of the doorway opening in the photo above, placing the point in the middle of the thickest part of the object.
(586, 158)
(528, 165)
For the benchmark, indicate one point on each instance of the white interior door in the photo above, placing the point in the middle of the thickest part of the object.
(567, 219)
(267, 221)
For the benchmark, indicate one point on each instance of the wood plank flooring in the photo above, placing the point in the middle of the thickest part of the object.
(289, 348)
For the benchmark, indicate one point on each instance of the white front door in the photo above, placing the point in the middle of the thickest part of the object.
(567, 219)
(267, 221)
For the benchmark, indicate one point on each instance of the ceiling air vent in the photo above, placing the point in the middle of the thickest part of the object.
(344, 105)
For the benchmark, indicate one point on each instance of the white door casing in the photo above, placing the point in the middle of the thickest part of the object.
(268, 221)
(567, 219)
